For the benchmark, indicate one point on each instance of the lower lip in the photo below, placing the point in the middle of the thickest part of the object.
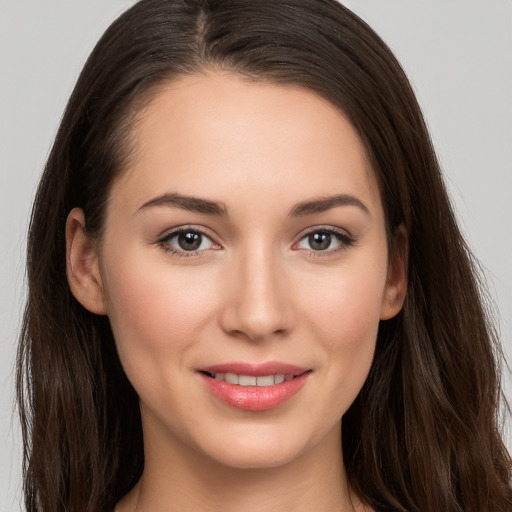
(254, 398)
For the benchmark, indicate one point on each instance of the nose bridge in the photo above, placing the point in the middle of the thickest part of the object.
(258, 304)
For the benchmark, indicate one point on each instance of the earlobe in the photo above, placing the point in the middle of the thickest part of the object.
(82, 264)
(396, 283)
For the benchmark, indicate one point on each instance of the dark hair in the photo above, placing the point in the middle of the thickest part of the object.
(423, 433)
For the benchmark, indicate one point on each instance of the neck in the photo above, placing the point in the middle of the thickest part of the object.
(177, 478)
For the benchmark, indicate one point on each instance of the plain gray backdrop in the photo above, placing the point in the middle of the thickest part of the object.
(457, 53)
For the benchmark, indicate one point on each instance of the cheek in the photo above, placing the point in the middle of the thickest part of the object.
(155, 312)
(346, 307)
(345, 315)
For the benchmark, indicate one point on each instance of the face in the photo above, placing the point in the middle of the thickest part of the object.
(244, 246)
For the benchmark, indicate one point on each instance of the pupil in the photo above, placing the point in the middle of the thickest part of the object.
(320, 241)
(189, 241)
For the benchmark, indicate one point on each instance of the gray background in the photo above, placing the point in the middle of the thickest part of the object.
(458, 55)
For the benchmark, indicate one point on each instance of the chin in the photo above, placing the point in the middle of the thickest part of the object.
(260, 448)
(256, 457)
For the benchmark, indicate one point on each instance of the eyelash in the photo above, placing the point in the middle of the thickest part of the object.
(342, 237)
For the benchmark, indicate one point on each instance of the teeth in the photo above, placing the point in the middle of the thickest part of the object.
(246, 380)
(267, 380)
(249, 380)
(231, 378)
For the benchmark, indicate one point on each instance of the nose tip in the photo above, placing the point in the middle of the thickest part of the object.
(257, 304)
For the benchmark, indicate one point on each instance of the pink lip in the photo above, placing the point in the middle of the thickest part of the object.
(255, 398)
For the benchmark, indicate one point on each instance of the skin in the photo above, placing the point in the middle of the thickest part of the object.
(257, 290)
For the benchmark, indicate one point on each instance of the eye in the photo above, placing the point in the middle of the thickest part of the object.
(325, 240)
(186, 242)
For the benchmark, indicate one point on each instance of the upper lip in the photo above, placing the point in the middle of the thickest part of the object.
(255, 369)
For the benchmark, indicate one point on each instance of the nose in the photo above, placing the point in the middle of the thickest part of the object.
(257, 301)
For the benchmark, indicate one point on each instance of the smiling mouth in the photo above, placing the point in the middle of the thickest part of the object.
(256, 387)
(250, 380)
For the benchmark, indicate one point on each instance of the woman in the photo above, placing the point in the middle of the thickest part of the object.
(246, 284)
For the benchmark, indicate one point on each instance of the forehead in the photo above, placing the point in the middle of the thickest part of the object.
(216, 134)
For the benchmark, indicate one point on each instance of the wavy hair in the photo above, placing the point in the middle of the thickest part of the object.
(423, 434)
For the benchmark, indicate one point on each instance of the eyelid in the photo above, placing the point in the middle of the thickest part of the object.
(168, 232)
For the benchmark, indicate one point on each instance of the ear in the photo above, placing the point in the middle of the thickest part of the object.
(396, 282)
(82, 264)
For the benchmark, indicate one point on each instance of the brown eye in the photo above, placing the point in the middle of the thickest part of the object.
(328, 240)
(319, 241)
(189, 240)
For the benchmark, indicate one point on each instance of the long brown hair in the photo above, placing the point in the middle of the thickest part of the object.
(423, 433)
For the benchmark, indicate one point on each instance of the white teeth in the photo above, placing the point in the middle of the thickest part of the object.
(232, 378)
(249, 380)
(267, 380)
(246, 380)
(279, 378)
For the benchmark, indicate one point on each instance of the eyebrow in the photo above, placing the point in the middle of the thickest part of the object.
(193, 204)
(205, 206)
(326, 203)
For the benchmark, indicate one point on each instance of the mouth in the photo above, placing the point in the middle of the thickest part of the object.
(252, 387)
